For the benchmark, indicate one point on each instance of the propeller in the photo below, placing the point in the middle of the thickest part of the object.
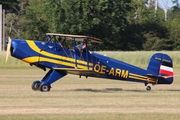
(8, 48)
(9, 43)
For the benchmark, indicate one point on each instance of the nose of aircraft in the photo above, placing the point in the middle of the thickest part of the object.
(11, 46)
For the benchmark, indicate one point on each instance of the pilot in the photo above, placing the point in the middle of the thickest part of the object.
(81, 47)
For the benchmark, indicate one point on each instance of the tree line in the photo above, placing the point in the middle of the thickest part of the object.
(122, 24)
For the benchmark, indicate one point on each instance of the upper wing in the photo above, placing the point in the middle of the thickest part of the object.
(77, 37)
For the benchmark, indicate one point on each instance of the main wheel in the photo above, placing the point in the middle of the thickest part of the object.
(44, 88)
(148, 88)
(35, 85)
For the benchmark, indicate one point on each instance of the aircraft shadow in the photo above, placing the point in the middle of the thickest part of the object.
(107, 90)
(171, 90)
(111, 90)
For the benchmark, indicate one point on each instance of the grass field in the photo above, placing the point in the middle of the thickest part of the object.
(83, 99)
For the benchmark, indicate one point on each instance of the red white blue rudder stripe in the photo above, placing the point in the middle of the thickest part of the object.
(166, 70)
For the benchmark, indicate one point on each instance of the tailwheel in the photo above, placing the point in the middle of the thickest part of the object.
(44, 87)
(35, 85)
(148, 88)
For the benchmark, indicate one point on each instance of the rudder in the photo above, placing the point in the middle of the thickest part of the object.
(161, 66)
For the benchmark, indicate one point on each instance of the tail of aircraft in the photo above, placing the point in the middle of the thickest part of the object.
(161, 67)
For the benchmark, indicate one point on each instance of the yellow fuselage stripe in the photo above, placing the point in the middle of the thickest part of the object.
(140, 77)
(58, 62)
(34, 47)
(137, 78)
(136, 75)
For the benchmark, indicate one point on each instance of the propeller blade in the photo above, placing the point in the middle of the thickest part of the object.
(8, 48)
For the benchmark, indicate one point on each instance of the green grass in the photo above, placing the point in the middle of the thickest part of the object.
(12, 62)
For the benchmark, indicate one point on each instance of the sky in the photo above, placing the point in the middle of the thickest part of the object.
(162, 3)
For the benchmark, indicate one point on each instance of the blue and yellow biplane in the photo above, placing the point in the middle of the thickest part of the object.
(56, 54)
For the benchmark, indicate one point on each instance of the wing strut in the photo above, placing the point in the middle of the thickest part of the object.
(87, 58)
(75, 57)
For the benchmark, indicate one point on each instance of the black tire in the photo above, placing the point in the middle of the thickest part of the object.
(35, 85)
(148, 88)
(44, 88)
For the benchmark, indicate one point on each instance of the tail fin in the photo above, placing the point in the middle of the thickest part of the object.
(161, 66)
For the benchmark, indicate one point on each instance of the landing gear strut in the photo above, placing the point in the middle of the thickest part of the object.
(45, 84)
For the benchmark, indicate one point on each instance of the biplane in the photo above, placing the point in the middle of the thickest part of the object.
(55, 53)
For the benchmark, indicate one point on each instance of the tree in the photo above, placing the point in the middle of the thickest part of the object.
(101, 18)
(146, 28)
(13, 10)
(121, 24)
(11, 6)
(174, 27)
(33, 21)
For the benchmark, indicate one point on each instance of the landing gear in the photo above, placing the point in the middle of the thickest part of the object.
(148, 88)
(44, 88)
(35, 85)
(45, 84)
